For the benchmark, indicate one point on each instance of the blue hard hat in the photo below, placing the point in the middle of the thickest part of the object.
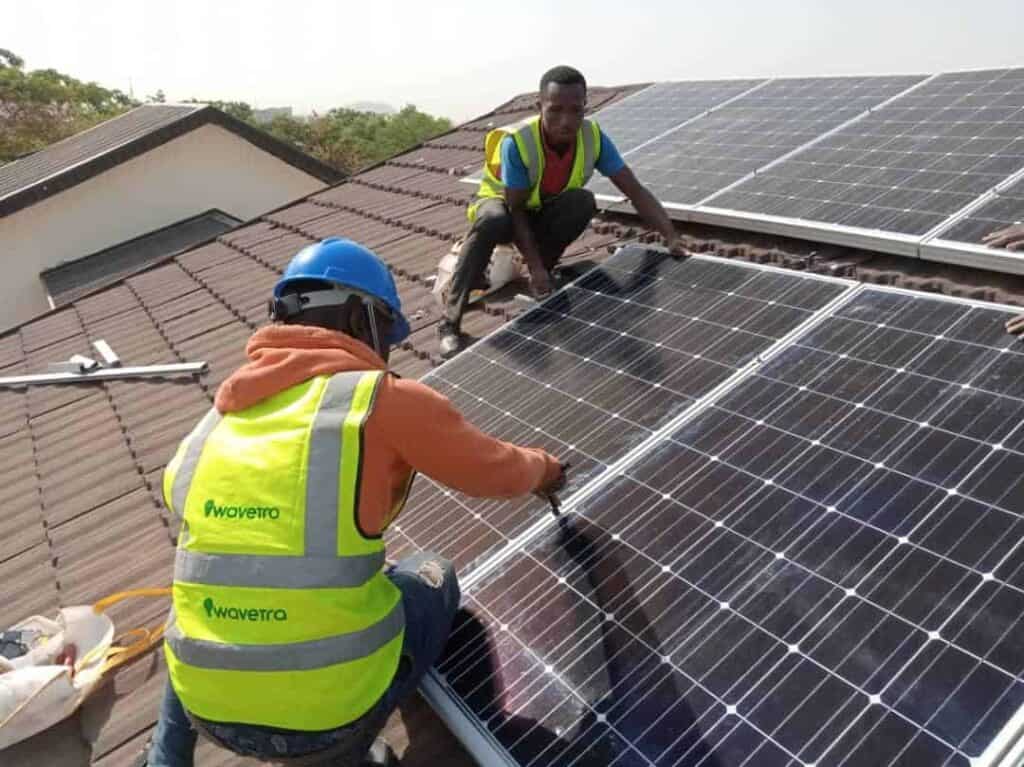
(348, 264)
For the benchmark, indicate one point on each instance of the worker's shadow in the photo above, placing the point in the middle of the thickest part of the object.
(638, 697)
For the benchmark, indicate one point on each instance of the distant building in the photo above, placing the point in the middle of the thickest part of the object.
(377, 107)
(161, 177)
(268, 115)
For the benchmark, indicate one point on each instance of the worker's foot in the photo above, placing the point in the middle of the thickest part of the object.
(381, 755)
(451, 342)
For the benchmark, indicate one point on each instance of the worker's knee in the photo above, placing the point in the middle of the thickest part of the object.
(581, 201)
(437, 572)
(494, 222)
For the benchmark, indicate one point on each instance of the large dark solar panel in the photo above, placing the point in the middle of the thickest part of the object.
(1004, 210)
(707, 155)
(596, 370)
(825, 566)
(663, 106)
(905, 168)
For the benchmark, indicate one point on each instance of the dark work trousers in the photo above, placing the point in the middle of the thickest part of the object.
(560, 220)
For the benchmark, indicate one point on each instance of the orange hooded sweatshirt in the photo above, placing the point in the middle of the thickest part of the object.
(412, 427)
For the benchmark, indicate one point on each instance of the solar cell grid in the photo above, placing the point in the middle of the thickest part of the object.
(1004, 210)
(821, 567)
(702, 158)
(906, 167)
(598, 369)
(663, 106)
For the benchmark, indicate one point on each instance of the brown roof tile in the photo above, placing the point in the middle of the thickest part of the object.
(13, 406)
(162, 285)
(445, 220)
(206, 257)
(460, 139)
(295, 215)
(124, 708)
(89, 569)
(30, 586)
(458, 161)
(60, 746)
(223, 349)
(415, 256)
(278, 252)
(374, 202)
(49, 330)
(440, 186)
(369, 231)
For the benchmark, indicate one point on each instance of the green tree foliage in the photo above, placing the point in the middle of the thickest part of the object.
(349, 140)
(42, 106)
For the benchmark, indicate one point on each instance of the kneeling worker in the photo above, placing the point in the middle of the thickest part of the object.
(289, 638)
(532, 194)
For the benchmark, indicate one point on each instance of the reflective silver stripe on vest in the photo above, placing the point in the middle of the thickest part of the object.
(589, 151)
(323, 492)
(285, 572)
(298, 656)
(187, 469)
(529, 140)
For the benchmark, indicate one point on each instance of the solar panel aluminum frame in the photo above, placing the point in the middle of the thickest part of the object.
(1007, 750)
(836, 234)
(935, 248)
(482, 744)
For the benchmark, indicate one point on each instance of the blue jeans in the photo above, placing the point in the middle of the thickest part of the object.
(430, 598)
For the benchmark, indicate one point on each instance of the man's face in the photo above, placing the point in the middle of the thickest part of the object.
(561, 112)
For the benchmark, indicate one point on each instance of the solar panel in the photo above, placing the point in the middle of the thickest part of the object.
(1004, 209)
(905, 168)
(821, 566)
(662, 106)
(596, 370)
(689, 164)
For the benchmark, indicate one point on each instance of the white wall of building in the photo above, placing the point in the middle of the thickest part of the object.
(206, 168)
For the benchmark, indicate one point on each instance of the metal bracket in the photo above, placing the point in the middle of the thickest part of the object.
(80, 368)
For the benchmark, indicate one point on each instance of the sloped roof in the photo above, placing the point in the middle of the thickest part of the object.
(33, 178)
(81, 464)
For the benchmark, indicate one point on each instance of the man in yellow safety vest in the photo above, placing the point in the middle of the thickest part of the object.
(532, 193)
(289, 638)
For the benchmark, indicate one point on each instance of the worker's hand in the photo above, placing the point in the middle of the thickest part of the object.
(541, 283)
(1011, 238)
(555, 486)
(1016, 325)
(676, 248)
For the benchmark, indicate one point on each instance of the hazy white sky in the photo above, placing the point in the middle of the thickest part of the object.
(461, 59)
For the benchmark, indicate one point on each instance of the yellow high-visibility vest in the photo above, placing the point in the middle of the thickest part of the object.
(282, 615)
(531, 149)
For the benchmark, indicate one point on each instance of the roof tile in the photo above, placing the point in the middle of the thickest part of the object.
(458, 161)
(195, 262)
(161, 285)
(30, 586)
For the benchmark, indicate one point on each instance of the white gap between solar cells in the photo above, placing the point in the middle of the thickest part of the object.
(856, 118)
(934, 636)
(446, 701)
(988, 576)
(655, 438)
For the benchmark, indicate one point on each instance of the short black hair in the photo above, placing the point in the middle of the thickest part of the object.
(562, 75)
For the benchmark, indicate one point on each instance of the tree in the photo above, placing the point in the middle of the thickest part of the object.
(42, 106)
(350, 140)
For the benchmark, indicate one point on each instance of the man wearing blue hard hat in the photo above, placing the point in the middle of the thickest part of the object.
(289, 639)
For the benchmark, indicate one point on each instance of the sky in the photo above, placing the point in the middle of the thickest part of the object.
(461, 59)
